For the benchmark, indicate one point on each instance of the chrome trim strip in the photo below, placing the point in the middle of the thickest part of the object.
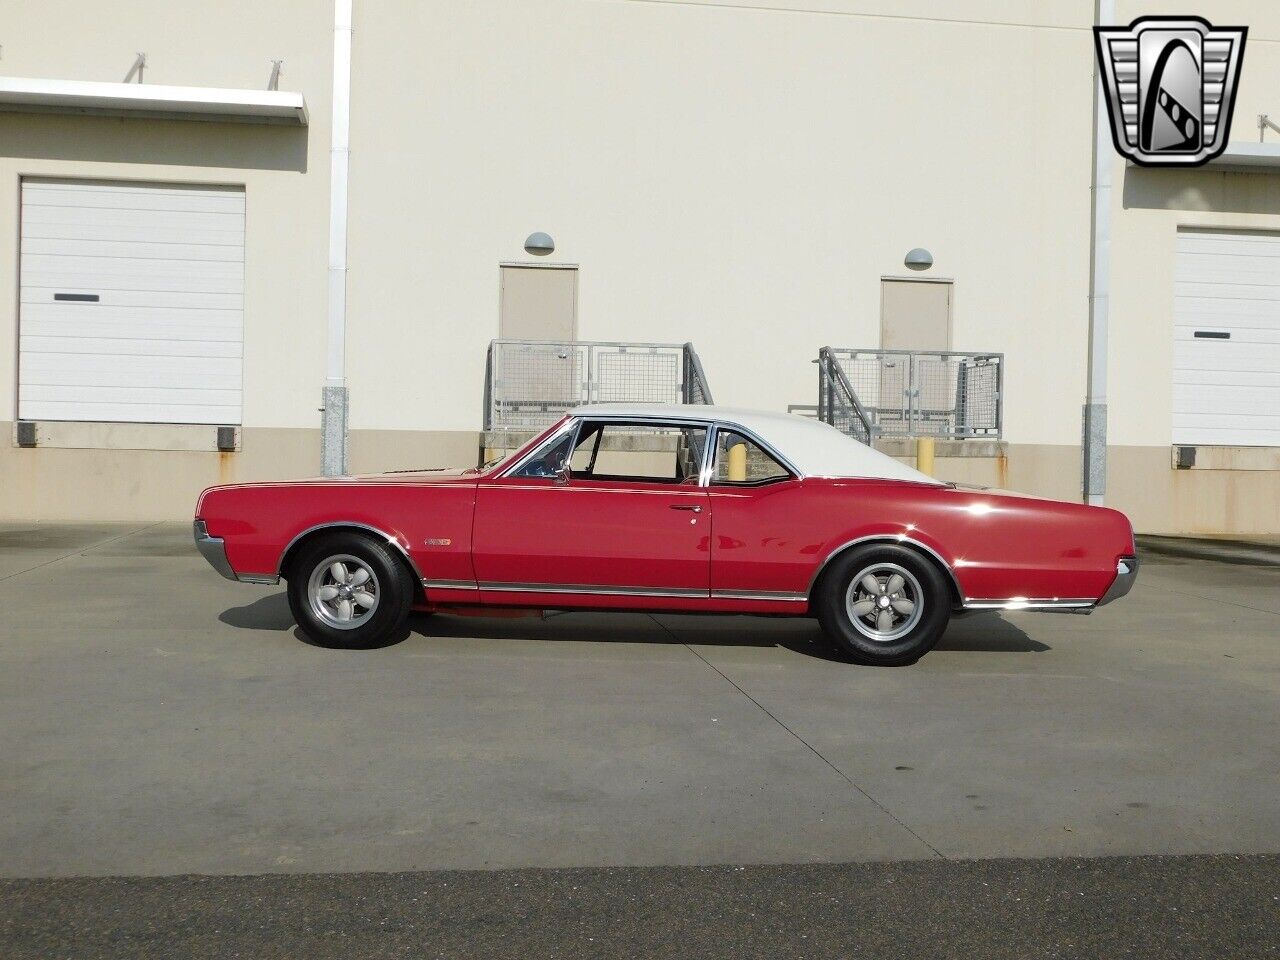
(593, 589)
(1029, 603)
(213, 549)
(759, 595)
(262, 578)
(450, 584)
(890, 538)
(391, 541)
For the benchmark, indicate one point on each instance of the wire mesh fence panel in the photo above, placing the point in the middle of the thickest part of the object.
(636, 374)
(901, 393)
(530, 384)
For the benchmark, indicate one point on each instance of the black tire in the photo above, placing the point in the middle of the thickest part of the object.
(389, 583)
(917, 610)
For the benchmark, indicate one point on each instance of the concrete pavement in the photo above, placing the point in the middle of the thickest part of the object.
(155, 719)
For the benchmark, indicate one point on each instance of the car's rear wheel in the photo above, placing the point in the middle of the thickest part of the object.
(349, 590)
(883, 604)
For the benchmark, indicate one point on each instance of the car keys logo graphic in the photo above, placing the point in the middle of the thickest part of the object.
(1170, 84)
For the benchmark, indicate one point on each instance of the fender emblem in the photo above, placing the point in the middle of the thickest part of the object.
(437, 542)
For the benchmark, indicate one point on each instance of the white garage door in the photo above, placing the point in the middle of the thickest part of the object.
(132, 299)
(1226, 348)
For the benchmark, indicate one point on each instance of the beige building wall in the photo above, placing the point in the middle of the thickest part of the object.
(740, 174)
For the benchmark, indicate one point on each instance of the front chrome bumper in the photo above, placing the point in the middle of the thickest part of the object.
(1126, 574)
(213, 549)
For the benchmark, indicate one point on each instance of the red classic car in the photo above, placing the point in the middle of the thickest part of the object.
(675, 508)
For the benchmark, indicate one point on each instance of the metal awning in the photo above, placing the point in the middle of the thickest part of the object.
(1254, 157)
(28, 95)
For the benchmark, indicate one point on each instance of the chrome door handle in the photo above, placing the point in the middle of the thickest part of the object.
(686, 506)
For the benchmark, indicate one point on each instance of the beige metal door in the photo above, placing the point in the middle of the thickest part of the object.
(915, 315)
(538, 303)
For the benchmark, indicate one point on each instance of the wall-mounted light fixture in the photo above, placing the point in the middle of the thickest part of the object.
(539, 244)
(918, 259)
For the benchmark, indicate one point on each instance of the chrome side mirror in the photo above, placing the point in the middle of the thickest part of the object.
(564, 474)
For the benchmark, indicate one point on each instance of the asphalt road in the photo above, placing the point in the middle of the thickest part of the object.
(1166, 907)
(157, 722)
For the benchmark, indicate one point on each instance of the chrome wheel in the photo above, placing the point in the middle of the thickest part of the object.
(343, 591)
(884, 602)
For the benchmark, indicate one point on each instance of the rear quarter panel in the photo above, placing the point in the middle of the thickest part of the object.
(999, 546)
(432, 522)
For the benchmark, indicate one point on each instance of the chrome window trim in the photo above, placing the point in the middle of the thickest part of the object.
(730, 427)
(391, 541)
(675, 420)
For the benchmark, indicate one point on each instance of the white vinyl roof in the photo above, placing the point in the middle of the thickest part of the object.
(816, 449)
(36, 95)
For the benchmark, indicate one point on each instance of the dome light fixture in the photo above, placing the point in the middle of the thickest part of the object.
(918, 259)
(539, 244)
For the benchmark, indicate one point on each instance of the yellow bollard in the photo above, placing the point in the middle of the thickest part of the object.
(924, 455)
(737, 463)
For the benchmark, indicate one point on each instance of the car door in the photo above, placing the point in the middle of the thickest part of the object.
(630, 520)
(765, 534)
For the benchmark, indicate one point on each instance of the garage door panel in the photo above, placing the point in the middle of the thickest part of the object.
(1226, 390)
(98, 197)
(1229, 244)
(119, 233)
(134, 250)
(34, 342)
(72, 217)
(163, 341)
(132, 412)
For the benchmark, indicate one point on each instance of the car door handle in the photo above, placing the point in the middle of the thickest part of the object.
(686, 506)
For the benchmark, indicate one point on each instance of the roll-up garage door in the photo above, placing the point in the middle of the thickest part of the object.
(1226, 349)
(132, 302)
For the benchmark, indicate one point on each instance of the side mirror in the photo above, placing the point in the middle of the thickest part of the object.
(564, 474)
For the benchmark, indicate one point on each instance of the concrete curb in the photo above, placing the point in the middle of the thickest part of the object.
(1256, 553)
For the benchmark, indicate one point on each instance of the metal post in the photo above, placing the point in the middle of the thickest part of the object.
(1095, 407)
(333, 423)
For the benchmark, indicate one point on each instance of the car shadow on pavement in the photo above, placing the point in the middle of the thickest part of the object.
(983, 633)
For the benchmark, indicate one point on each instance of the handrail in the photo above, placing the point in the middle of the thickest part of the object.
(696, 389)
(833, 381)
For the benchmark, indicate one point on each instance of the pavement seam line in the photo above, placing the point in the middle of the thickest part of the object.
(765, 710)
(79, 552)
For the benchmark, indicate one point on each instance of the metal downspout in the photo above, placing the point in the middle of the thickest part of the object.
(1095, 407)
(333, 423)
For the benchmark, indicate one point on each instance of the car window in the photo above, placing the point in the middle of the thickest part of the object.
(739, 461)
(656, 453)
(548, 460)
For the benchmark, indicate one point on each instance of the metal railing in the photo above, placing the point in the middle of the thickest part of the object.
(529, 384)
(904, 393)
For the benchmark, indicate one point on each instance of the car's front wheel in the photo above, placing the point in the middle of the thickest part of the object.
(883, 604)
(347, 589)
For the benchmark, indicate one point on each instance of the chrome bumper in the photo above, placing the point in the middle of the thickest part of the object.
(1126, 574)
(213, 549)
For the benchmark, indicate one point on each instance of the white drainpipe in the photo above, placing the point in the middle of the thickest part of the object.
(1095, 407)
(333, 423)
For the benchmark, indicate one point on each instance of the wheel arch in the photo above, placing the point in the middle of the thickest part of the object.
(313, 533)
(928, 553)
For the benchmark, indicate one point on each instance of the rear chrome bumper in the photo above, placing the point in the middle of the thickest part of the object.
(213, 549)
(1126, 574)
